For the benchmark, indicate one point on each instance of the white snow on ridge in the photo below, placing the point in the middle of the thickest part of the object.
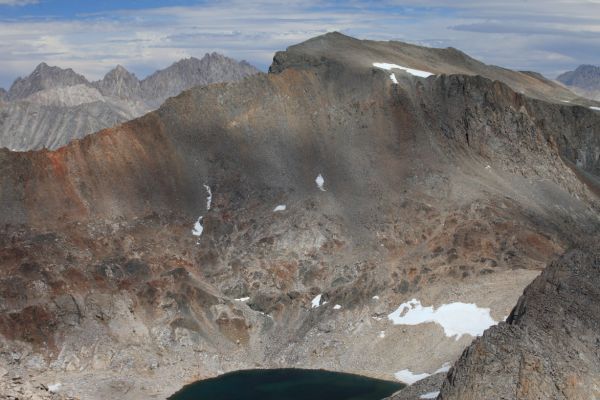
(209, 197)
(456, 319)
(430, 395)
(243, 299)
(409, 377)
(415, 72)
(595, 108)
(280, 207)
(316, 302)
(320, 181)
(198, 228)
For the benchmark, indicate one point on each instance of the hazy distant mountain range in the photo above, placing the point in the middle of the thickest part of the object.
(585, 81)
(53, 106)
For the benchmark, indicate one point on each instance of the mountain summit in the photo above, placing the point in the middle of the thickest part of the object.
(585, 80)
(584, 77)
(120, 83)
(44, 77)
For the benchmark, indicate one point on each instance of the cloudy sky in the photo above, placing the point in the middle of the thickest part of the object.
(549, 36)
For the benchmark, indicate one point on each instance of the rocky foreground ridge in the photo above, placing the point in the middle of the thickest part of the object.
(53, 106)
(159, 252)
(549, 346)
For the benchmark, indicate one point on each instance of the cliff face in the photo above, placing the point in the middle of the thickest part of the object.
(548, 347)
(451, 188)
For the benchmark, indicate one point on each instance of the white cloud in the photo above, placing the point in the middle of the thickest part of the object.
(536, 35)
(17, 2)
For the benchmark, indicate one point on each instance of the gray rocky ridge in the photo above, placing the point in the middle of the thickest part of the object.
(53, 106)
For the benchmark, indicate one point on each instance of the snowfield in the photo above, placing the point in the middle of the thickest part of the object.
(456, 319)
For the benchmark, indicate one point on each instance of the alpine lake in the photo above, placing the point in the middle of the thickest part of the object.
(288, 384)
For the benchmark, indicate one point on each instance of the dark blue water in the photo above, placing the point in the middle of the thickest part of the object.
(288, 384)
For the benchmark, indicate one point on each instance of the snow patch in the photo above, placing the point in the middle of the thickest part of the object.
(337, 307)
(430, 395)
(198, 228)
(393, 78)
(320, 181)
(54, 388)
(209, 197)
(444, 368)
(409, 377)
(316, 302)
(243, 299)
(456, 319)
(412, 71)
(280, 207)
(375, 297)
(382, 334)
(595, 108)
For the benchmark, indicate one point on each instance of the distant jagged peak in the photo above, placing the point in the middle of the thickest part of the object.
(44, 77)
(2, 93)
(189, 72)
(119, 82)
(584, 77)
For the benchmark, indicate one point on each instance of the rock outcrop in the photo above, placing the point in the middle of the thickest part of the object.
(549, 347)
(159, 252)
(53, 106)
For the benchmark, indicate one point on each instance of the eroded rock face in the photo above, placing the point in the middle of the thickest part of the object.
(549, 347)
(445, 189)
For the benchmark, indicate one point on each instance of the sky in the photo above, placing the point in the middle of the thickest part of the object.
(548, 36)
